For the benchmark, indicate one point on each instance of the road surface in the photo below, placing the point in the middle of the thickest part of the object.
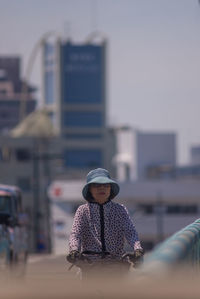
(48, 277)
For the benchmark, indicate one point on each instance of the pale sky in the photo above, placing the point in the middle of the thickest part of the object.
(153, 56)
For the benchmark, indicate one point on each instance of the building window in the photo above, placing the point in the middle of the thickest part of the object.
(24, 183)
(49, 50)
(83, 74)
(52, 117)
(83, 158)
(5, 154)
(83, 119)
(49, 87)
(4, 115)
(83, 136)
(169, 209)
(146, 208)
(182, 209)
(23, 154)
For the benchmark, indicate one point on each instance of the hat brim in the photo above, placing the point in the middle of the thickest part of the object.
(101, 180)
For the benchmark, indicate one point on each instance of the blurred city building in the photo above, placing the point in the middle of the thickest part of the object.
(12, 93)
(28, 158)
(31, 158)
(177, 172)
(161, 196)
(173, 172)
(64, 139)
(139, 153)
(195, 155)
(154, 149)
(159, 208)
(75, 98)
(57, 145)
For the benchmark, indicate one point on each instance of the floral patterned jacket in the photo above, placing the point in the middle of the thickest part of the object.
(104, 227)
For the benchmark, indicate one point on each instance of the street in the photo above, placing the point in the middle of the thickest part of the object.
(47, 276)
(44, 276)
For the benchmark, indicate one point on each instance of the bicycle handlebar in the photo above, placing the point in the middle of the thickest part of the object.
(104, 257)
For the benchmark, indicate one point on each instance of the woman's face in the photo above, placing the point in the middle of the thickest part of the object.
(100, 192)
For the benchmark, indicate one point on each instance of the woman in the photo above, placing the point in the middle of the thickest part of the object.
(102, 225)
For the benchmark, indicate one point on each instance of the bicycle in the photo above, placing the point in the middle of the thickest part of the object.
(103, 264)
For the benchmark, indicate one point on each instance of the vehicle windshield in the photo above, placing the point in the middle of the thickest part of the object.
(4, 203)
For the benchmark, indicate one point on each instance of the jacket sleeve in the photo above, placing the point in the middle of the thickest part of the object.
(130, 232)
(77, 230)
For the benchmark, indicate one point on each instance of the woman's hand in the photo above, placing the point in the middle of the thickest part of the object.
(73, 256)
(137, 257)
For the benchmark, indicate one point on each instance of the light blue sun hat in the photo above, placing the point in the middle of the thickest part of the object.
(99, 176)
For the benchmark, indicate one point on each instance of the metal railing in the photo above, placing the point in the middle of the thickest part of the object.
(181, 248)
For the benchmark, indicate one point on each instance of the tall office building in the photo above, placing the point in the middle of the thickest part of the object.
(11, 93)
(74, 94)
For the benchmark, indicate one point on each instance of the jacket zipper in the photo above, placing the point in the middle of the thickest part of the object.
(102, 228)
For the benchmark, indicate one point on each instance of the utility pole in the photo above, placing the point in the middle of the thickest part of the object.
(36, 194)
(159, 211)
